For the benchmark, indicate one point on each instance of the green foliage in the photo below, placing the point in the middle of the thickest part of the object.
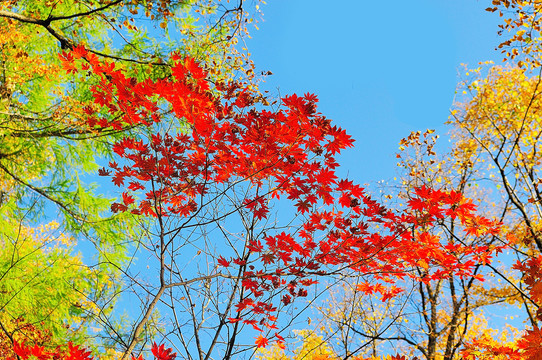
(49, 157)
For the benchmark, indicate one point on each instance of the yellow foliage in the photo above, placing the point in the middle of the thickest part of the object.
(313, 347)
(502, 116)
(43, 282)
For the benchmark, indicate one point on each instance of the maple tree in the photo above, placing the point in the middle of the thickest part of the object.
(208, 190)
(431, 319)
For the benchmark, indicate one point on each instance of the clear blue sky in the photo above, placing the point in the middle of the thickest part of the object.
(381, 69)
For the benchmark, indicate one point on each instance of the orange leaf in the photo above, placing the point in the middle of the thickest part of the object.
(261, 341)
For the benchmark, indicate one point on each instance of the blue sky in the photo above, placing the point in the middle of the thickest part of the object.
(380, 69)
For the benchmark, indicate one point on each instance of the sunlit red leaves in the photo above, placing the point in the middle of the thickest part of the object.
(75, 352)
(291, 150)
(438, 204)
(253, 147)
(341, 140)
(258, 206)
(486, 348)
(531, 344)
(223, 262)
(72, 352)
(386, 291)
(39, 349)
(261, 341)
(161, 353)
(532, 277)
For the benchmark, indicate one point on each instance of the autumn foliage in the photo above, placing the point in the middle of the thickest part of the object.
(230, 140)
(235, 203)
(23, 351)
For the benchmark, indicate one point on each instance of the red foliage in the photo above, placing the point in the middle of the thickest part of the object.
(290, 152)
(531, 342)
(529, 346)
(161, 353)
(532, 277)
(71, 352)
(30, 342)
(74, 352)
(261, 341)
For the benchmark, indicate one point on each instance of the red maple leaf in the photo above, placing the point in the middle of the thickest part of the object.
(531, 344)
(127, 199)
(223, 261)
(161, 353)
(261, 341)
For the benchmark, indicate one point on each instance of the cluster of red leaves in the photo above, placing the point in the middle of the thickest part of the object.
(529, 346)
(30, 342)
(485, 348)
(69, 352)
(532, 277)
(74, 352)
(160, 353)
(230, 141)
(531, 342)
(20, 331)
